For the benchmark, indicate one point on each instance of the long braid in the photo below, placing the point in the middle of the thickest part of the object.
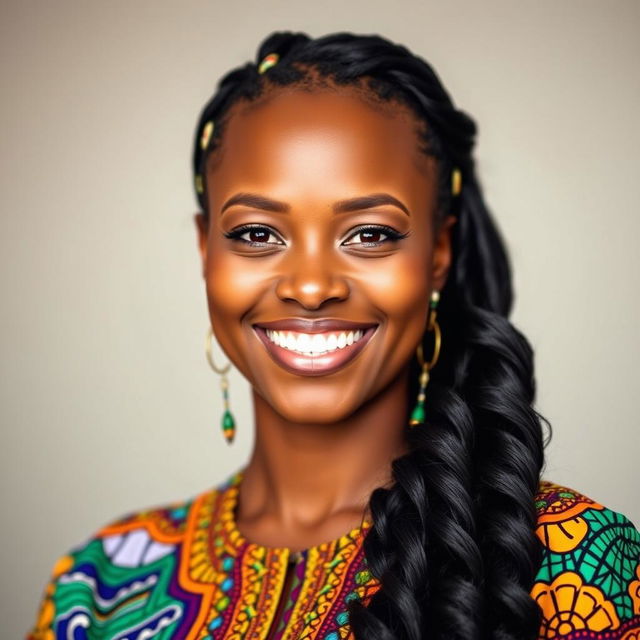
(452, 540)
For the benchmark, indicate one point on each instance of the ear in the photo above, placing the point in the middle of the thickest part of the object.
(202, 226)
(442, 253)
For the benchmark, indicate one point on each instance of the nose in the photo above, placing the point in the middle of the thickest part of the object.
(311, 281)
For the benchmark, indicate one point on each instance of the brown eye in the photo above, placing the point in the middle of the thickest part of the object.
(253, 235)
(370, 236)
(373, 236)
(258, 235)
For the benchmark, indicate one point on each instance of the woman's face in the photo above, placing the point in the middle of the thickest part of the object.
(293, 184)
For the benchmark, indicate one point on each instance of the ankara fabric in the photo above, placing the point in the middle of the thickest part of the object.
(184, 570)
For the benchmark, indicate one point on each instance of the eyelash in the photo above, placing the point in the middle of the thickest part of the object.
(235, 234)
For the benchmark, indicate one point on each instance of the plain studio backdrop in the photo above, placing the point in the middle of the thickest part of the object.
(108, 404)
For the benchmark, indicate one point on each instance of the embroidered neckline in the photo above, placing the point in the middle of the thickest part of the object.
(228, 501)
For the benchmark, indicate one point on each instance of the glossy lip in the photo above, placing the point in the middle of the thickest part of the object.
(319, 365)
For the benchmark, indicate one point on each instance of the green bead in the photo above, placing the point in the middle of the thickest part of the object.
(227, 420)
(417, 416)
(228, 426)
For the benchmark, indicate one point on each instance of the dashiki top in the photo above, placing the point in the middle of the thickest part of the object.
(184, 571)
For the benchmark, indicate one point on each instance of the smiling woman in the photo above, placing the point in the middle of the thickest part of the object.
(356, 278)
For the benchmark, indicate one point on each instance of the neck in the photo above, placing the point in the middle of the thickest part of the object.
(301, 475)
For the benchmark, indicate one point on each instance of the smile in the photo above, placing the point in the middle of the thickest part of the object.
(313, 344)
(317, 353)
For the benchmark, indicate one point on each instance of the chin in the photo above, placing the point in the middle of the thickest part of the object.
(313, 406)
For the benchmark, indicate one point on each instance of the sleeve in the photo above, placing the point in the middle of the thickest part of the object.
(67, 605)
(42, 629)
(114, 581)
(71, 601)
(588, 585)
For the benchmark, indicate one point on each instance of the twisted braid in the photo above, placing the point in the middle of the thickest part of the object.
(452, 540)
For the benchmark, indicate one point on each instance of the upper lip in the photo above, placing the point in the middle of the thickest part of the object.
(303, 325)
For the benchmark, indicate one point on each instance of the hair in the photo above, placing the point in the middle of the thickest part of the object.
(453, 540)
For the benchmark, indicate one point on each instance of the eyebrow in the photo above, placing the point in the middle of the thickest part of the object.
(342, 206)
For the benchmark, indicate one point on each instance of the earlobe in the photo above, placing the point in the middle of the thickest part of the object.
(202, 227)
(442, 252)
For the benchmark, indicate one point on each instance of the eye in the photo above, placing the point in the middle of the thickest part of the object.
(258, 235)
(374, 236)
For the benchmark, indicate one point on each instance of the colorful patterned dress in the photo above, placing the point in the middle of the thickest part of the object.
(185, 571)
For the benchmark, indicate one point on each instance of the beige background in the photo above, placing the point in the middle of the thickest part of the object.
(107, 401)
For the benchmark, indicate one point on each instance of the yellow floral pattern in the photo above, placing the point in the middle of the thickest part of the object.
(585, 587)
(570, 605)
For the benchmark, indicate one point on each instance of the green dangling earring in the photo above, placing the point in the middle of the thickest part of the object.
(417, 415)
(228, 423)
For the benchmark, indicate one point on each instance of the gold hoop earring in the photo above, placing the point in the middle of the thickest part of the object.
(228, 423)
(417, 415)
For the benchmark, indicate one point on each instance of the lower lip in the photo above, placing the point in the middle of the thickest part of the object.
(319, 365)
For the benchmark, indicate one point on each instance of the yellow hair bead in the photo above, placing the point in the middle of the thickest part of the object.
(456, 181)
(198, 184)
(206, 135)
(268, 61)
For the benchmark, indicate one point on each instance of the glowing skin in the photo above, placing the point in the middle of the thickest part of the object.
(323, 442)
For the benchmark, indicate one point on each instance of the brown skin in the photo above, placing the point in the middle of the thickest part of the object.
(322, 443)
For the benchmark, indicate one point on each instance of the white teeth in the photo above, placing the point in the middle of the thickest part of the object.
(303, 343)
(312, 344)
(318, 344)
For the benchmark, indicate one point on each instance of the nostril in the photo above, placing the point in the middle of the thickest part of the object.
(311, 292)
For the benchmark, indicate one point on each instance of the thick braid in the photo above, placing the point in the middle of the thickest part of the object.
(500, 389)
(452, 540)
(432, 498)
(509, 462)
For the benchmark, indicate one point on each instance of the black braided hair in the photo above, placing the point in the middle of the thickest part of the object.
(453, 539)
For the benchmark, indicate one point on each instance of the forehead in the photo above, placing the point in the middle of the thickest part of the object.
(318, 138)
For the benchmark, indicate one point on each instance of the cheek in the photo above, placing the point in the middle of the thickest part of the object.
(232, 283)
(398, 286)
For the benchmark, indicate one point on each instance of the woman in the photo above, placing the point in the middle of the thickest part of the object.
(357, 280)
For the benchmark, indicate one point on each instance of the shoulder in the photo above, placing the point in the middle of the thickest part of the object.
(588, 583)
(124, 570)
